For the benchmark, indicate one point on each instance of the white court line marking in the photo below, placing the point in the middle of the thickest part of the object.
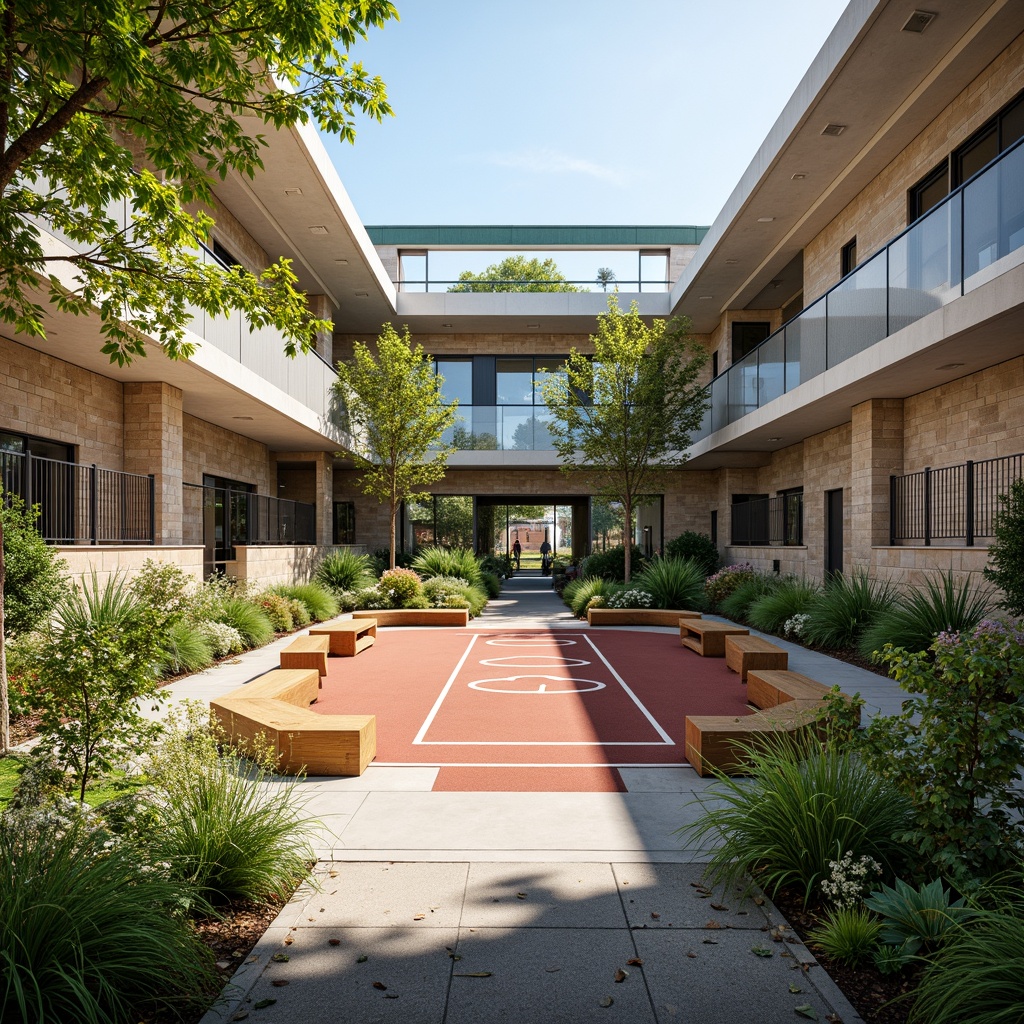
(526, 764)
(543, 743)
(539, 661)
(636, 700)
(520, 640)
(444, 692)
(481, 684)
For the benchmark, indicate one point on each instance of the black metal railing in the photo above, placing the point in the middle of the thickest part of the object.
(768, 521)
(222, 518)
(81, 504)
(953, 504)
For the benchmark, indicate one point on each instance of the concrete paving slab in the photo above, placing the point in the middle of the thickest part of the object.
(680, 897)
(377, 779)
(542, 896)
(662, 780)
(723, 981)
(542, 975)
(379, 895)
(328, 984)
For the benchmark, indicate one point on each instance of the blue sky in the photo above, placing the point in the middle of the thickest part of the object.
(574, 111)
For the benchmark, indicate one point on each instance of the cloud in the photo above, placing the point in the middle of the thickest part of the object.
(550, 161)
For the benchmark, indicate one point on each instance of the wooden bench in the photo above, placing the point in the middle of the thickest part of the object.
(348, 638)
(637, 616)
(275, 706)
(707, 637)
(416, 616)
(789, 704)
(743, 653)
(307, 652)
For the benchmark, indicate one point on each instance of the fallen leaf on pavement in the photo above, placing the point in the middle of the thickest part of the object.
(380, 985)
(334, 942)
(474, 974)
(807, 1011)
(362, 959)
(606, 1001)
(621, 975)
(280, 982)
(761, 951)
(635, 961)
(262, 1004)
(280, 958)
(795, 989)
(719, 906)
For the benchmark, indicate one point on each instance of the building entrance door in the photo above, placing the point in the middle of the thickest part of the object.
(833, 531)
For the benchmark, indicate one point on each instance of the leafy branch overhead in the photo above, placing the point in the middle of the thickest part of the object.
(396, 417)
(623, 416)
(116, 119)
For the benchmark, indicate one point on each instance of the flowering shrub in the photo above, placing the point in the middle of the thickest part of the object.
(630, 599)
(372, 599)
(401, 585)
(438, 589)
(851, 879)
(794, 626)
(275, 607)
(725, 581)
(222, 638)
(597, 601)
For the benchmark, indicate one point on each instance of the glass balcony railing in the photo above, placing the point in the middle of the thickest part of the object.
(955, 247)
(521, 428)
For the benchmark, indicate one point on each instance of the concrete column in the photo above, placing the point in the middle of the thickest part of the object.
(153, 444)
(309, 477)
(876, 452)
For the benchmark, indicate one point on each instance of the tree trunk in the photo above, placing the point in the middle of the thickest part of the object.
(5, 706)
(394, 516)
(627, 534)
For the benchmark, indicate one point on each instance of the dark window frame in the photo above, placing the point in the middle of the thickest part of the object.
(848, 257)
(747, 345)
(343, 522)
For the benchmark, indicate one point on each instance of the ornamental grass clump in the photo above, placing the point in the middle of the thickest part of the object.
(579, 593)
(790, 596)
(321, 603)
(803, 804)
(438, 561)
(673, 583)
(849, 935)
(242, 615)
(737, 604)
(847, 605)
(344, 571)
(89, 933)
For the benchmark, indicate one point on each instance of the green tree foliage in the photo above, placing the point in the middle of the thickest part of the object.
(32, 581)
(516, 274)
(1006, 554)
(396, 418)
(128, 105)
(605, 276)
(642, 400)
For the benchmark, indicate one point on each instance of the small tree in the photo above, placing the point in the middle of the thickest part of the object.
(605, 276)
(516, 274)
(397, 418)
(1006, 555)
(32, 581)
(624, 416)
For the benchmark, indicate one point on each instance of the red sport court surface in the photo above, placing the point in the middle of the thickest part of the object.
(534, 710)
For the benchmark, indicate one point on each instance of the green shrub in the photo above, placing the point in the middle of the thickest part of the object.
(300, 613)
(186, 648)
(225, 832)
(476, 599)
(437, 589)
(100, 661)
(789, 597)
(222, 638)
(491, 583)
(736, 605)
(673, 582)
(725, 581)
(501, 565)
(345, 570)
(956, 748)
(848, 935)
(915, 919)
(839, 614)
(34, 576)
(890, 959)
(804, 805)
(320, 602)
(165, 587)
(86, 933)
(944, 607)
(251, 622)
(437, 561)
(697, 547)
(276, 609)
(611, 564)
(577, 595)
(1005, 566)
(401, 586)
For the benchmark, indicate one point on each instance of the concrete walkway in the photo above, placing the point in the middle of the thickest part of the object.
(458, 908)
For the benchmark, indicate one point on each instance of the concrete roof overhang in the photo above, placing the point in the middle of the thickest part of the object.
(885, 86)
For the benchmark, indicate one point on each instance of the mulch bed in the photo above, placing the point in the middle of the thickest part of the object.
(878, 998)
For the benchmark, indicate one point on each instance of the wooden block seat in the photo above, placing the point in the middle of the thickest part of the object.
(707, 637)
(307, 652)
(743, 653)
(789, 703)
(638, 616)
(416, 616)
(348, 638)
(276, 707)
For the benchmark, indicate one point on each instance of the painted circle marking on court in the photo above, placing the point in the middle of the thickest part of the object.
(534, 685)
(527, 640)
(535, 661)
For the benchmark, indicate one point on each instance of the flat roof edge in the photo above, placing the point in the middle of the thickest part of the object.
(481, 236)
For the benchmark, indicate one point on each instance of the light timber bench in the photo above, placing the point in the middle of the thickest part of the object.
(743, 653)
(707, 637)
(348, 638)
(416, 616)
(637, 616)
(307, 652)
(789, 704)
(275, 706)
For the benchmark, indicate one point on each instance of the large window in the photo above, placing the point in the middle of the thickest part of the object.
(344, 522)
(747, 335)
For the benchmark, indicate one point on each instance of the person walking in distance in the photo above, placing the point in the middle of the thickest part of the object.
(517, 551)
(545, 558)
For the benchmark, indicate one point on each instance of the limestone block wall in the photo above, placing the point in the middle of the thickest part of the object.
(105, 562)
(59, 401)
(219, 452)
(266, 565)
(879, 212)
